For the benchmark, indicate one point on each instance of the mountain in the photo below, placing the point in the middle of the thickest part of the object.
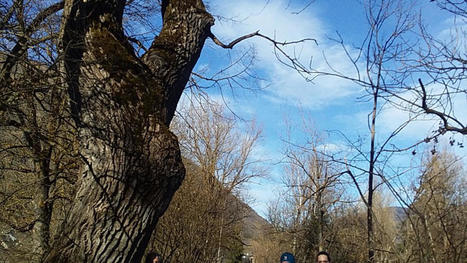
(254, 225)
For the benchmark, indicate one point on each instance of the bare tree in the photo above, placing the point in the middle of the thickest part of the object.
(207, 212)
(436, 223)
(349, 227)
(312, 189)
(189, 230)
(313, 180)
(37, 149)
(442, 60)
(386, 63)
(121, 102)
(122, 105)
(377, 52)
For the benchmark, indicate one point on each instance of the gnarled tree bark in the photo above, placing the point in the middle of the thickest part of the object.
(122, 106)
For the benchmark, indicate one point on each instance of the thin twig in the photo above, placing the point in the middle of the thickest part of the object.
(137, 42)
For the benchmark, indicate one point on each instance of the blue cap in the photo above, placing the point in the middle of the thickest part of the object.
(287, 257)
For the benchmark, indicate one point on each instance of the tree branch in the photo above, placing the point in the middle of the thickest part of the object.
(21, 46)
(238, 40)
(441, 115)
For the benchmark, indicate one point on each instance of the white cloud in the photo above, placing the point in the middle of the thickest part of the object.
(454, 33)
(421, 124)
(267, 153)
(391, 119)
(332, 148)
(285, 86)
(278, 22)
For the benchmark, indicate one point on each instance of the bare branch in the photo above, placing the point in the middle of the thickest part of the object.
(137, 42)
(21, 46)
(441, 115)
(238, 40)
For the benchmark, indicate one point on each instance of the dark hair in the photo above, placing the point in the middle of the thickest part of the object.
(151, 256)
(323, 253)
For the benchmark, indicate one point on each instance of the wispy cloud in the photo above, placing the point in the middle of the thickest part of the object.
(390, 119)
(278, 22)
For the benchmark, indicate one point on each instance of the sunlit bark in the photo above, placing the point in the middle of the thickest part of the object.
(122, 106)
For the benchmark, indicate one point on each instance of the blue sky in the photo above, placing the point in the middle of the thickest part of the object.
(281, 94)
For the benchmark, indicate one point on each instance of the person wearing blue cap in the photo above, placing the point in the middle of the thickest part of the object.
(287, 258)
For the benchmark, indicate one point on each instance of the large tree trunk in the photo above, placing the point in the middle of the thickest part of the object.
(122, 106)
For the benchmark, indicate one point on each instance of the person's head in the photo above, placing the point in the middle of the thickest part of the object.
(323, 257)
(153, 257)
(287, 258)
